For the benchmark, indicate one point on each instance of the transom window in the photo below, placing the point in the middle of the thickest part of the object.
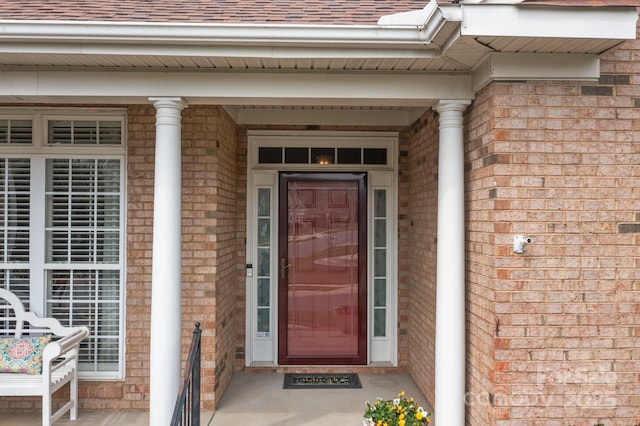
(84, 132)
(331, 150)
(323, 156)
(61, 226)
(15, 131)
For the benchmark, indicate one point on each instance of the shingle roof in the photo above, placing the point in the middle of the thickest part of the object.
(594, 3)
(348, 12)
(213, 11)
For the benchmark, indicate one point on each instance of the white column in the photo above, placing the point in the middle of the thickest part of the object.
(167, 259)
(450, 293)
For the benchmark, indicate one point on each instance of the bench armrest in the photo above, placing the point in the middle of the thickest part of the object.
(65, 348)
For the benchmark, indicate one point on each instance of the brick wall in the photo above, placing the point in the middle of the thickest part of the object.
(553, 332)
(210, 273)
(419, 184)
(229, 273)
(405, 251)
(481, 252)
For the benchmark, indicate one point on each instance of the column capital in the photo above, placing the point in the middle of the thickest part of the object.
(451, 112)
(452, 105)
(168, 102)
(168, 110)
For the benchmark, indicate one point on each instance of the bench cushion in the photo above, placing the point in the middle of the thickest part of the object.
(22, 355)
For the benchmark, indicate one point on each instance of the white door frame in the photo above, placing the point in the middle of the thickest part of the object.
(262, 180)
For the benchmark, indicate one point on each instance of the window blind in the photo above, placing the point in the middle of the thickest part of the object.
(82, 240)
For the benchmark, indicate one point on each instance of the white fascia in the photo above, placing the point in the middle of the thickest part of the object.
(247, 40)
(506, 20)
(511, 66)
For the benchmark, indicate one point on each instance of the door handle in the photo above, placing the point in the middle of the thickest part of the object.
(283, 268)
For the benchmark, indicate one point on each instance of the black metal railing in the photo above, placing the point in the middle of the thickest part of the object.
(187, 409)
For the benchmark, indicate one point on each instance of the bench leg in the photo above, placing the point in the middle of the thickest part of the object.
(46, 409)
(73, 395)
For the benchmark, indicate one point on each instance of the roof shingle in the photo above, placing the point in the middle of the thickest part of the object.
(590, 3)
(318, 12)
(365, 12)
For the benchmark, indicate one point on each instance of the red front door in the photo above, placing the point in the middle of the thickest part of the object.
(322, 269)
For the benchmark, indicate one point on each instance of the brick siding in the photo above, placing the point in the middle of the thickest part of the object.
(210, 272)
(553, 333)
(419, 173)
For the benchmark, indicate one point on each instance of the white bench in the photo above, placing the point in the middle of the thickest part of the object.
(59, 358)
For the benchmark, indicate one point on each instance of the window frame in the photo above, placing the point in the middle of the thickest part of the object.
(38, 153)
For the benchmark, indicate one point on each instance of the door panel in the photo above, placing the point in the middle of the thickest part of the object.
(322, 291)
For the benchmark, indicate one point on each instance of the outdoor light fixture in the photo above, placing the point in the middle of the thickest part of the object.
(324, 159)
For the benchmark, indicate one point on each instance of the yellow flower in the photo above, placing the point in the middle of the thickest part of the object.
(400, 422)
(401, 416)
(401, 394)
(419, 415)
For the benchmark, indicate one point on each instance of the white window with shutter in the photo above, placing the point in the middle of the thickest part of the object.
(62, 226)
(14, 226)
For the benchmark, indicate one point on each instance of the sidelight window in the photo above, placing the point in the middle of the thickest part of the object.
(264, 227)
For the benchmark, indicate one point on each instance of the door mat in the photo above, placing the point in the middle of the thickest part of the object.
(321, 381)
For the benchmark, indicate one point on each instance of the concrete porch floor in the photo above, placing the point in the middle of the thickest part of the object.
(257, 399)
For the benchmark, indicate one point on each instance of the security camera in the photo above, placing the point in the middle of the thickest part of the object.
(520, 242)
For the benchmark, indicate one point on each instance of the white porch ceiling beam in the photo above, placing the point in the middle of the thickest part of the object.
(506, 66)
(287, 88)
(334, 116)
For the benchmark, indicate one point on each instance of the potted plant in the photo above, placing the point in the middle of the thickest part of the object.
(399, 411)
